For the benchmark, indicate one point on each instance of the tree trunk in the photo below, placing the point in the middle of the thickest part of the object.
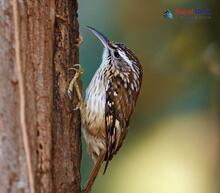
(39, 132)
(66, 126)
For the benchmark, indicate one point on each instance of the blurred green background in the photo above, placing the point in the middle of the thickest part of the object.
(173, 140)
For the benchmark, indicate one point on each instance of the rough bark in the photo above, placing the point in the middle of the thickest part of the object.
(66, 136)
(39, 134)
(13, 162)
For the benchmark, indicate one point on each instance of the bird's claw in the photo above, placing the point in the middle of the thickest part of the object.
(74, 85)
(79, 106)
(78, 69)
(78, 73)
(76, 108)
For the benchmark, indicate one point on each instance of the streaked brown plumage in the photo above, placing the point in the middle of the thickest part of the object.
(110, 100)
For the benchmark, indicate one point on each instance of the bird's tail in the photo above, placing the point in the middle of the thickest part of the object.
(94, 173)
(106, 166)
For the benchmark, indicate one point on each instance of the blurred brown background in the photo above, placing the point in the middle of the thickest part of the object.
(173, 141)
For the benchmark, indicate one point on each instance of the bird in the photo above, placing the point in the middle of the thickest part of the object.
(109, 102)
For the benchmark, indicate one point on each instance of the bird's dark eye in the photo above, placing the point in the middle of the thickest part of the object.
(116, 54)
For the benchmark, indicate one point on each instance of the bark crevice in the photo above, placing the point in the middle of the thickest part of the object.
(39, 133)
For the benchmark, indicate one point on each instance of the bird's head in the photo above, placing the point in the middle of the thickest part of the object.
(116, 53)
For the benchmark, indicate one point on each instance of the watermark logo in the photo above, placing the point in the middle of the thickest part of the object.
(194, 13)
(168, 14)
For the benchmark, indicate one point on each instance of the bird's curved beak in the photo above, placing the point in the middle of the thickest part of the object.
(101, 37)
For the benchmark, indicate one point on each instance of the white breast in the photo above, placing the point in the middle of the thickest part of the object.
(94, 123)
(95, 100)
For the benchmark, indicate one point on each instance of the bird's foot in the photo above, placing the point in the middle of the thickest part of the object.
(73, 83)
(80, 106)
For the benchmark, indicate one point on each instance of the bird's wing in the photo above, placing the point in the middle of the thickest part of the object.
(120, 102)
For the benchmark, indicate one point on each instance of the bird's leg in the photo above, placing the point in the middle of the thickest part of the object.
(94, 173)
(78, 73)
(74, 84)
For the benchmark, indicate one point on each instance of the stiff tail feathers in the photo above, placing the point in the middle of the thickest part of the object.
(94, 173)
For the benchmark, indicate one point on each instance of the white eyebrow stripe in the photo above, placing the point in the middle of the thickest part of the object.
(123, 55)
